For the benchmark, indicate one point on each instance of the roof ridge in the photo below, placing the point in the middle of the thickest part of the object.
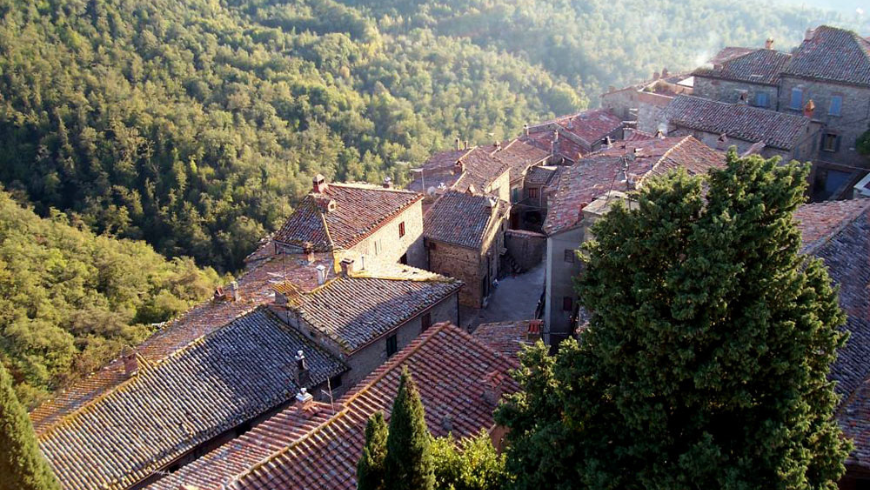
(371, 187)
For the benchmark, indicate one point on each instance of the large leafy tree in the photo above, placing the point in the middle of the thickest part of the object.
(706, 359)
(370, 468)
(409, 464)
(22, 467)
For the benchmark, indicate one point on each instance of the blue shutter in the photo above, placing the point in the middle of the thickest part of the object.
(836, 105)
(762, 100)
(797, 98)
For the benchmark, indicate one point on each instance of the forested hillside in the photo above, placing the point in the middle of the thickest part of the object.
(70, 300)
(195, 124)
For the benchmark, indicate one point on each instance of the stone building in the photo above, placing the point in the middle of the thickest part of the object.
(366, 313)
(641, 105)
(465, 239)
(317, 445)
(529, 212)
(743, 75)
(521, 158)
(381, 224)
(568, 138)
(721, 125)
(575, 205)
(473, 170)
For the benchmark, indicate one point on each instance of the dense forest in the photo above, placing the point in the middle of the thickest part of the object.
(195, 124)
(70, 300)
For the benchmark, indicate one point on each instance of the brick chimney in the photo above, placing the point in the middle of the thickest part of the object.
(320, 184)
(388, 183)
(768, 44)
(535, 329)
(809, 109)
(346, 266)
(308, 250)
(303, 375)
(131, 362)
(492, 387)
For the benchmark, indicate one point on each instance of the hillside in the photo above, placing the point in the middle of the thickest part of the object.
(70, 300)
(195, 125)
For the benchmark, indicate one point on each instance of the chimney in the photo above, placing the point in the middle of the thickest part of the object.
(535, 329)
(458, 167)
(304, 399)
(388, 183)
(490, 202)
(303, 376)
(320, 184)
(809, 34)
(346, 267)
(457, 143)
(660, 134)
(769, 43)
(570, 123)
(492, 387)
(308, 250)
(608, 142)
(664, 73)
(466, 144)
(526, 129)
(656, 75)
(131, 362)
(809, 109)
(722, 142)
(497, 145)
(321, 274)
(235, 292)
(555, 136)
(611, 88)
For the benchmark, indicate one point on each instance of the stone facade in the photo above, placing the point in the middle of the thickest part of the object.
(804, 151)
(731, 92)
(387, 244)
(500, 187)
(525, 247)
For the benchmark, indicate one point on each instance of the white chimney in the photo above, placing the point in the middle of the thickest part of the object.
(235, 292)
(304, 398)
(321, 274)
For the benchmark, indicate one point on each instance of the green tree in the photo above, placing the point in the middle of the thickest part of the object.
(21, 464)
(471, 464)
(370, 469)
(706, 360)
(409, 464)
(863, 143)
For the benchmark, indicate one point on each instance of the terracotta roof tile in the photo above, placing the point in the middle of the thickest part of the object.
(544, 175)
(761, 66)
(462, 219)
(520, 156)
(775, 129)
(578, 133)
(460, 170)
(507, 338)
(231, 375)
(358, 210)
(603, 171)
(832, 54)
(450, 368)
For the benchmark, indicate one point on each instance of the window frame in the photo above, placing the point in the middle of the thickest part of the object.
(533, 193)
(759, 95)
(401, 229)
(426, 321)
(839, 98)
(392, 345)
(800, 105)
(834, 139)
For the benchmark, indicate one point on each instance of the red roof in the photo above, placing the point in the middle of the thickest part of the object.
(520, 156)
(820, 221)
(461, 170)
(578, 133)
(507, 337)
(451, 369)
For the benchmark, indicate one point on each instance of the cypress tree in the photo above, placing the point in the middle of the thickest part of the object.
(706, 358)
(409, 464)
(370, 468)
(22, 466)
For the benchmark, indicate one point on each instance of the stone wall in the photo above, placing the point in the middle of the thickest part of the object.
(461, 263)
(386, 246)
(730, 91)
(525, 247)
(849, 125)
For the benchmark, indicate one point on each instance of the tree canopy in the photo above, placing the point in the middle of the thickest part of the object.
(705, 361)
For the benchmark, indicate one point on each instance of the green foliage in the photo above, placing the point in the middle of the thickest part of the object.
(21, 464)
(409, 464)
(70, 300)
(195, 125)
(705, 364)
(473, 464)
(863, 144)
(370, 468)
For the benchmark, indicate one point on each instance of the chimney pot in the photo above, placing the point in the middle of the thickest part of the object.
(304, 398)
(526, 129)
(320, 184)
(810, 109)
(458, 144)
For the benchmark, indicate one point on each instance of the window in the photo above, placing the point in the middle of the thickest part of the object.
(401, 229)
(426, 320)
(836, 105)
(392, 345)
(797, 98)
(830, 142)
(533, 193)
(762, 99)
(335, 381)
(377, 247)
(569, 256)
(567, 303)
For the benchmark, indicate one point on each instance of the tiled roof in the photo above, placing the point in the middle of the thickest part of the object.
(353, 310)
(543, 175)
(505, 337)
(359, 210)
(218, 467)
(603, 171)
(478, 171)
(832, 54)
(256, 289)
(520, 156)
(462, 219)
(776, 129)
(761, 66)
(728, 53)
(839, 234)
(231, 375)
(451, 369)
(586, 127)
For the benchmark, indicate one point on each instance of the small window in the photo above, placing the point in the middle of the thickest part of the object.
(797, 99)
(426, 320)
(377, 247)
(335, 381)
(567, 303)
(762, 99)
(830, 142)
(569, 256)
(836, 105)
(401, 229)
(392, 345)
(533, 193)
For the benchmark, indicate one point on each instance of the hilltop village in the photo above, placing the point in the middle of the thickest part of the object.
(272, 381)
